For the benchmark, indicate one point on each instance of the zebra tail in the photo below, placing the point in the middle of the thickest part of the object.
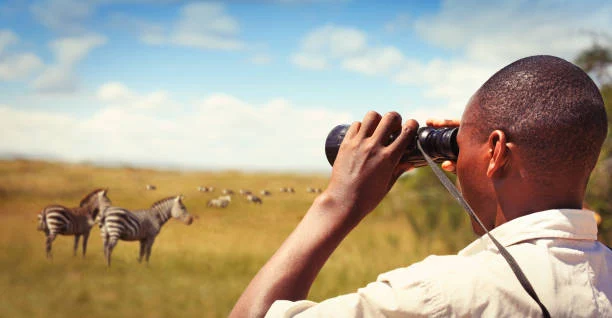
(42, 221)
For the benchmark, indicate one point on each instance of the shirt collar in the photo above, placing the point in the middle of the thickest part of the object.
(564, 223)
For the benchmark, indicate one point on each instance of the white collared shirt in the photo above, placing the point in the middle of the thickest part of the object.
(557, 250)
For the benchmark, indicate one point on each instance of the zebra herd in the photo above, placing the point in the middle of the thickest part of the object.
(226, 198)
(115, 223)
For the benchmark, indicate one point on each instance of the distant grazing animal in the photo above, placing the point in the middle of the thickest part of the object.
(206, 189)
(265, 192)
(227, 191)
(142, 225)
(314, 190)
(253, 199)
(151, 187)
(287, 189)
(244, 192)
(57, 219)
(220, 202)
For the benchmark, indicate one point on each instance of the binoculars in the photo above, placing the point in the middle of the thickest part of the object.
(439, 143)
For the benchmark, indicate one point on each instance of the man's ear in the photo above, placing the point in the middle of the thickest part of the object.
(499, 153)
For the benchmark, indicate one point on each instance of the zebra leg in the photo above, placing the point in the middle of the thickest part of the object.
(149, 245)
(142, 250)
(109, 250)
(76, 243)
(105, 244)
(85, 238)
(50, 239)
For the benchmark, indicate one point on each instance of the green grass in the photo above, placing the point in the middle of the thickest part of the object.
(198, 270)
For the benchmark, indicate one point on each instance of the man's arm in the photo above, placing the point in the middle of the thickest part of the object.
(364, 171)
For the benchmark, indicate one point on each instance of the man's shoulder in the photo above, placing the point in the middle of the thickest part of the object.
(436, 267)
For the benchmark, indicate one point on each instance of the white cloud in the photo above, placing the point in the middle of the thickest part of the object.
(56, 79)
(375, 61)
(71, 50)
(261, 59)
(200, 25)
(60, 77)
(114, 91)
(117, 95)
(349, 48)
(452, 81)
(334, 41)
(400, 22)
(63, 15)
(223, 131)
(508, 30)
(15, 66)
(7, 38)
(18, 66)
(311, 62)
(501, 32)
(35, 132)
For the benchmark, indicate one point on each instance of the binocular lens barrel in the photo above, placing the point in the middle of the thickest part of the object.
(440, 144)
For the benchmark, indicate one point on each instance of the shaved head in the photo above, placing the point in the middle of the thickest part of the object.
(550, 108)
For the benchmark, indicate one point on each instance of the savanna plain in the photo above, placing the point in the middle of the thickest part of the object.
(197, 270)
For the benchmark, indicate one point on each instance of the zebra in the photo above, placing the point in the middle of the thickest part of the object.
(56, 219)
(141, 225)
(265, 192)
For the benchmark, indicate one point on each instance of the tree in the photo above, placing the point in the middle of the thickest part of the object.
(597, 61)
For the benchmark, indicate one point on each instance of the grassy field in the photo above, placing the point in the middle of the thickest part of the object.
(198, 270)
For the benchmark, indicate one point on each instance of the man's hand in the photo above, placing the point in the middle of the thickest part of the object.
(367, 165)
(439, 123)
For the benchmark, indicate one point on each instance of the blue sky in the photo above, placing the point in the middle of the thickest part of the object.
(253, 85)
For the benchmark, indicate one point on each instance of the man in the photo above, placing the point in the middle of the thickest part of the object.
(528, 139)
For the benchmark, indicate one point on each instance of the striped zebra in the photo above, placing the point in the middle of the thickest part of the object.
(142, 225)
(57, 219)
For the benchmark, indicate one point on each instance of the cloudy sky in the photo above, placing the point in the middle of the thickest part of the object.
(253, 85)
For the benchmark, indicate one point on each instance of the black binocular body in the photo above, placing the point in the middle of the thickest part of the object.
(440, 144)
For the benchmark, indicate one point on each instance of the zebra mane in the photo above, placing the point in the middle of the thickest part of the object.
(86, 199)
(162, 201)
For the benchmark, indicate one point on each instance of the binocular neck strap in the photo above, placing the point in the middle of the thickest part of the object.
(509, 259)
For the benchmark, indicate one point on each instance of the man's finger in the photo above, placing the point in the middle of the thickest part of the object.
(449, 166)
(405, 138)
(352, 130)
(369, 124)
(389, 124)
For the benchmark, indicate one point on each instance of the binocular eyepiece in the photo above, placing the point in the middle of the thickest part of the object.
(440, 144)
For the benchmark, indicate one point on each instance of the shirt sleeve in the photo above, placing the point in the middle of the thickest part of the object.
(415, 299)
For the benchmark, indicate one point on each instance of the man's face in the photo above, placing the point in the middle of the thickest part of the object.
(476, 187)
